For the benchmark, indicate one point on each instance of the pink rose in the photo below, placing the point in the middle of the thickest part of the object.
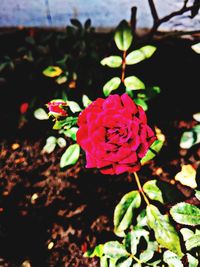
(114, 134)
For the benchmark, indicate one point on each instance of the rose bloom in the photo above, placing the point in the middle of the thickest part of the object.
(114, 134)
(57, 108)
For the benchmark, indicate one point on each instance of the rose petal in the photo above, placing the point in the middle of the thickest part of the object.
(129, 104)
(113, 101)
(91, 162)
(132, 158)
(110, 170)
(142, 116)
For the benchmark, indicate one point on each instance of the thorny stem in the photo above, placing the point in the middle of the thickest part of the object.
(123, 66)
(140, 189)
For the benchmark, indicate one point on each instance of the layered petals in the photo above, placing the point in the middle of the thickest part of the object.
(114, 134)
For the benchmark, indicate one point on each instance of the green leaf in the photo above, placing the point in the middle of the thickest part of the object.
(123, 36)
(87, 24)
(153, 151)
(112, 61)
(172, 259)
(111, 85)
(142, 219)
(134, 57)
(86, 101)
(124, 211)
(97, 251)
(52, 71)
(139, 55)
(196, 116)
(61, 142)
(165, 233)
(193, 242)
(197, 194)
(190, 138)
(50, 145)
(196, 48)
(185, 213)
(70, 156)
(132, 239)
(71, 133)
(153, 191)
(186, 233)
(133, 83)
(74, 107)
(41, 114)
(193, 262)
(66, 123)
(146, 255)
(124, 262)
(149, 93)
(141, 103)
(114, 249)
(76, 23)
(61, 79)
(148, 50)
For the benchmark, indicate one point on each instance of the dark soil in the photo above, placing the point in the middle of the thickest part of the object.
(50, 217)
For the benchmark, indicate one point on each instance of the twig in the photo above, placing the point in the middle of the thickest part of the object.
(153, 10)
(157, 22)
(133, 19)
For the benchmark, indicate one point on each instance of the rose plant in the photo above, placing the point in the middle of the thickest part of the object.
(116, 139)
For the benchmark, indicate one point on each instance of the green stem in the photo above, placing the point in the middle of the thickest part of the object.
(140, 188)
(136, 259)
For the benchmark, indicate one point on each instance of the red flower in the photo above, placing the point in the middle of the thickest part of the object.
(24, 108)
(57, 108)
(114, 134)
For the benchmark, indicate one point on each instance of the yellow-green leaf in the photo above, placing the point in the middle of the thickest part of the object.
(164, 231)
(185, 213)
(124, 211)
(153, 191)
(123, 36)
(133, 83)
(52, 71)
(70, 156)
(111, 85)
(112, 61)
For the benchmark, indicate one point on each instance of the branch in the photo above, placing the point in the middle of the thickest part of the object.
(158, 22)
(177, 13)
(153, 10)
(133, 19)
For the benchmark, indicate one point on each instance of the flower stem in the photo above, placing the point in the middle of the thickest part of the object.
(135, 258)
(123, 66)
(140, 188)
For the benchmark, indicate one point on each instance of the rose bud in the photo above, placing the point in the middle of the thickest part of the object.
(114, 134)
(57, 108)
(24, 107)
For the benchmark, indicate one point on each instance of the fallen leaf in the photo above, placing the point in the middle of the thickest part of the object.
(26, 263)
(33, 198)
(15, 146)
(50, 245)
(187, 176)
